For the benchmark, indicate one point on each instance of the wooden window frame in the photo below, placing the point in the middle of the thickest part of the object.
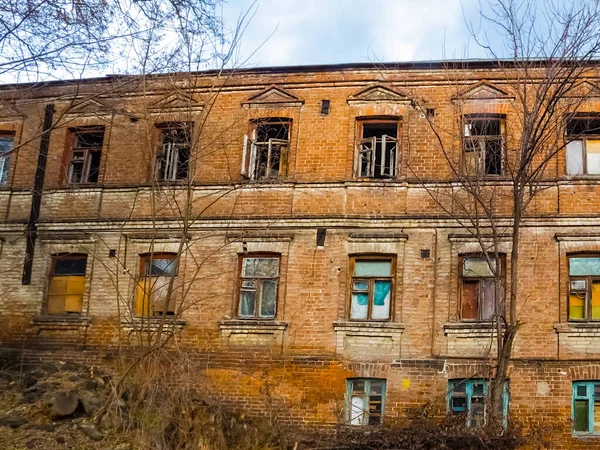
(583, 138)
(6, 157)
(366, 395)
(141, 290)
(483, 138)
(590, 398)
(160, 131)
(588, 279)
(461, 279)
(87, 155)
(250, 149)
(62, 257)
(392, 278)
(469, 384)
(389, 120)
(240, 289)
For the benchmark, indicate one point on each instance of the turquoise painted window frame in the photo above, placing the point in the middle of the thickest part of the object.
(469, 384)
(367, 389)
(589, 397)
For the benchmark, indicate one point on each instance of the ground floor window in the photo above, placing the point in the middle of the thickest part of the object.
(365, 401)
(469, 398)
(586, 407)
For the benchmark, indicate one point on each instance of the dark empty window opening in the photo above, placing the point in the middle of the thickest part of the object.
(269, 148)
(173, 159)
(378, 150)
(84, 166)
(483, 146)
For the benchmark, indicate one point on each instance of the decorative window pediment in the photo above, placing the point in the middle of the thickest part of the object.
(483, 91)
(584, 89)
(273, 96)
(176, 102)
(90, 107)
(378, 93)
(8, 111)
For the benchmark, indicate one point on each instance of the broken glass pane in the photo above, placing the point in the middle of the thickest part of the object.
(360, 306)
(373, 268)
(357, 416)
(488, 303)
(260, 267)
(360, 285)
(161, 267)
(584, 266)
(459, 404)
(478, 267)
(269, 295)
(381, 300)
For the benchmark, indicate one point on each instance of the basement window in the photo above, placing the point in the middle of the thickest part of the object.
(586, 407)
(468, 398)
(157, 286)
(265, 152)
(173, 157)
(378, 149)
(483, 146)
(365, 399)
(6, 146)
(67, 284)
(86, 151)
(583, 146)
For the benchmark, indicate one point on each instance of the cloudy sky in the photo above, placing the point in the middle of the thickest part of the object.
(293, 32)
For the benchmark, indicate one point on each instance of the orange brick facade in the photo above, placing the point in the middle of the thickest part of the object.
(297, 363)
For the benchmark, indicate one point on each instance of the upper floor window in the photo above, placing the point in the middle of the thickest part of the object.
(365, 401)
(586, 407)
(483, 146)
(157, 287)
(266, 151)
(478, 288)
(6, 146)
(584, 288)
(469, 398)
(67, 284)
(583, 146)
(258, 283)
(372, 280)
(378, 149)
(173, 156)
(85, 154)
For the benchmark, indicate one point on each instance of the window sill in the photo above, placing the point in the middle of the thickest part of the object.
(152, 324)
(60, 322)
(581, 435)
(579, 329)
(368, 327)
(252, 326)
(470, 329)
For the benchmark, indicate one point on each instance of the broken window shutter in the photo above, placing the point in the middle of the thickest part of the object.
(244, 170)
(252, 163)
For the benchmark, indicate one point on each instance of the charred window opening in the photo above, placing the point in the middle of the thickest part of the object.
(583, 146)
(67, 284)
(86, 152)
(157, 288)
(365, 401)
(269, 146)
(378, 150)
(173, 158)
(483, 146)
(478, 288)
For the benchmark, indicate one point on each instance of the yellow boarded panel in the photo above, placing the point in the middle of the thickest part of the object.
(142, 299)
(576, 307)
(596, 299)
(58, 285)
(73, 303)
(596, 417)
(76, 285)
(56, 304)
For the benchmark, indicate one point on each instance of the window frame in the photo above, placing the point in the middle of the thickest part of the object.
(52, 275)
(469, 383)
(589, 280)
(161, 131)
(145, 258)
(257, 302)
(377, 120)
(372, 257)
(366, 392)
(466, 118)
(6, 157)
(87, 155)
(583, 137)
(250, 158)
(461, 278)
(589, 397)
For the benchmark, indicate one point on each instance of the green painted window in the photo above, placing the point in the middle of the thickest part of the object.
(586, 407)
(365, 401)
(469, 398)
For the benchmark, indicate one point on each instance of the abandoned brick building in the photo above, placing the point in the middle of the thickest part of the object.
(289, 213)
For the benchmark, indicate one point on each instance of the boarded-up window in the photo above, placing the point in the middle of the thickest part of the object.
(365, 401)
(584, 288)
(157, 288)
(67, 284)
(483, 146)
(469, 397)
(586, 407)
(372, 287)
(478, 288)
(85, 154)
(259, 281)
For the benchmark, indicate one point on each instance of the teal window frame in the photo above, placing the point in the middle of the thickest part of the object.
(469, 385)
(367, 401)
(590, 398)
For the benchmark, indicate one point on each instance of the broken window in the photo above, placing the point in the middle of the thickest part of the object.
(86, 150)
(365, 401)
(583, 146)
(265, 153)
(173, 157)
(372, 280)
(67, 284)
(584, 288)
(378, 149)
(6, 146)
(157, 288)
(586, 407)
(478, 288)
(469, 397)
(483, 146)
(259, 280)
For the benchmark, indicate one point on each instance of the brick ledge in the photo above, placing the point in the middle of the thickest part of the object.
(249, 326)
(366, 327)
(152, 324)
(470, 329)
(578, 328)
(60, 322)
